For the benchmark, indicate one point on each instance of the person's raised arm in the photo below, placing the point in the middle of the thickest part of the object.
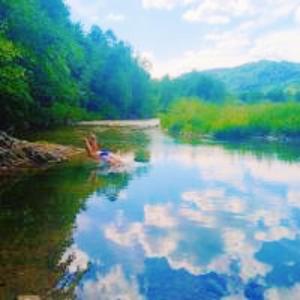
(91, 153)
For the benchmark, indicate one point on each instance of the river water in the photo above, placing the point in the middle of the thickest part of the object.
(180, 221)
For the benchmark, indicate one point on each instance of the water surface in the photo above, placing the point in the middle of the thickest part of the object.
(187, 221)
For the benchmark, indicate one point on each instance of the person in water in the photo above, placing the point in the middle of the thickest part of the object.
(94, 151)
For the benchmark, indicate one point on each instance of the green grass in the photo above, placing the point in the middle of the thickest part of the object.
(232, 121)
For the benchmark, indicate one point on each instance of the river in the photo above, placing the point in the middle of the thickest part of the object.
(182, 220)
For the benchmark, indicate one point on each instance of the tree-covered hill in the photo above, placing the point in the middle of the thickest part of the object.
(52, 72)
(259, 76)
(253, 82)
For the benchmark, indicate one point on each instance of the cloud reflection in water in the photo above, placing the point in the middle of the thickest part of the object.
(229, 206)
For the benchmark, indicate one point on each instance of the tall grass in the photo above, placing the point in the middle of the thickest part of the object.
(229, 120)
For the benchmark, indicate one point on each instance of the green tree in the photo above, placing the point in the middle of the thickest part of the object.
(15, 100)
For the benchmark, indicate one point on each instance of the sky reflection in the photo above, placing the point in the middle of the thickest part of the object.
(226, 225)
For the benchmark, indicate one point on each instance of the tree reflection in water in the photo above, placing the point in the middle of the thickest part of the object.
(35, 232)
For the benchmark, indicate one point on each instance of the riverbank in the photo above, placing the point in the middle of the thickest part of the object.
(18, 155)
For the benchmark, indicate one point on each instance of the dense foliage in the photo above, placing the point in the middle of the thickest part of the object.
(234, 121)
(53, 72)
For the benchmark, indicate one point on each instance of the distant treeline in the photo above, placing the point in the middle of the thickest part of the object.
(194, 84)
(52, 72)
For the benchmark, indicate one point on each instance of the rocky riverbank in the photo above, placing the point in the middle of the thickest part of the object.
(16, 155)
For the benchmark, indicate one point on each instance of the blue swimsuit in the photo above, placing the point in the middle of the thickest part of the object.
(104, 154)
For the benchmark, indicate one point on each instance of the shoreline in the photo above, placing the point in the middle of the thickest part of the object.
(235, 139)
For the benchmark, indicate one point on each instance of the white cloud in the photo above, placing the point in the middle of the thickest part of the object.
(213, 163)
(86, 12)
(282, 8)
(291, 293)
(208, 203)
(200, 217)
(208, 58)
(125, 237)
(235, 206)
(201, 201)
(241, 248)
(278, 172)
(228, 40)
(239, 296)
(264, 216)
(113, 17)
(79, 259)
(123, 195)
(297, 15)
(210, 11)
(217, 11)
(275, 234)
(139, 234)
(279, 45)
(159, 246)
(164, 241)
(113, 285)
(186, 263)
(199, 16)
(160, 4)
(294, 197)
(267, 15)
(159, 216)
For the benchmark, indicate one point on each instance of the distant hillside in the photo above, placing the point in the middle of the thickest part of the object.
(259, 76)
(250, 83)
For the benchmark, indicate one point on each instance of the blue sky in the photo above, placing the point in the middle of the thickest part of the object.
(178, 36)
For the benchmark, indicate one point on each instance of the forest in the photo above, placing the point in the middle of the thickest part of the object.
(52, 72)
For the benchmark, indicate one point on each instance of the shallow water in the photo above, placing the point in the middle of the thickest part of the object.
(186, 222)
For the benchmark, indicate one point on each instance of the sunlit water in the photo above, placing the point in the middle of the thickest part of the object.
(192, 222)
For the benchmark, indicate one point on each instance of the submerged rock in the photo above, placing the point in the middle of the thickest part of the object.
(16, 154)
